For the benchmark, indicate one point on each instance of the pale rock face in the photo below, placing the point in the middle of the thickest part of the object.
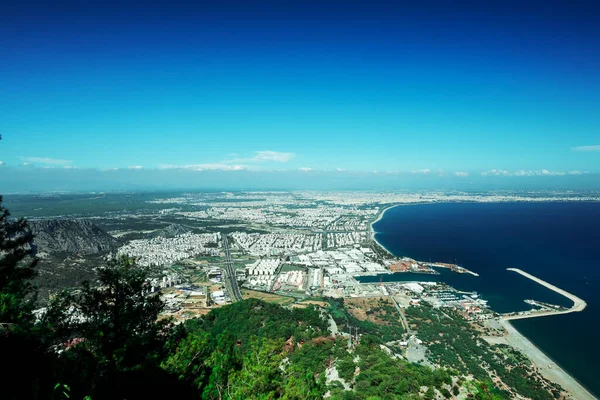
(71, 236)
(171, 231)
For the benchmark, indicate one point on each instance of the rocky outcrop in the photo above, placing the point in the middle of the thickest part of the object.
(170, 231)
(76, 236)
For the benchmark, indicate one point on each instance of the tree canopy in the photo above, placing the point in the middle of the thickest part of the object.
(17, 268)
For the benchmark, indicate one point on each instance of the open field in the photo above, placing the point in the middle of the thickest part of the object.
(314, 303)
(378, 310)
(268, 297)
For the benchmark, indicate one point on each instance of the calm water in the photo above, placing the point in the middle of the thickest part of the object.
(557, 242)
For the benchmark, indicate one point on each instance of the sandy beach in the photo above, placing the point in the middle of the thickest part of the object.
(379, 216)
(548, 368)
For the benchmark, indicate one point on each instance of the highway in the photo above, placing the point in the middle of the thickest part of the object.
(230, 278)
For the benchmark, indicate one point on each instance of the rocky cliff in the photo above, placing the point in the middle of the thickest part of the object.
(170, 231)
(75, 236)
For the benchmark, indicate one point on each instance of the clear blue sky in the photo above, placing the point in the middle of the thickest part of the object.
(282, 85)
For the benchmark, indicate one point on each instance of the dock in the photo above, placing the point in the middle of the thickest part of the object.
(452, 267)
(578, 304)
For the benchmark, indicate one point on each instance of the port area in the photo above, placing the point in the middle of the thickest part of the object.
(452, 267)
(545, 308)
(406, 264)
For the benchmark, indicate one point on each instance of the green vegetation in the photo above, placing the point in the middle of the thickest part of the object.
(16, 271)
(389, 328)
(453, 343)
(383, 377)
(236, 352)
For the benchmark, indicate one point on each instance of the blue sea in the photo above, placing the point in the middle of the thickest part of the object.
(558, 242)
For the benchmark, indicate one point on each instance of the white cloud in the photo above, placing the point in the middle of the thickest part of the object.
(1, 163)
(237, 164)
(521, 172)
(69, 167)
(495, 172)
(268, 155)
(422, 171)
(135, 167)
(550, 173)
(109, 169)
(340, 170)
(205, 167)
(587, 148)
(305, 169)
(461, 173)
(577, 172)
(262, 156)
(45, 160)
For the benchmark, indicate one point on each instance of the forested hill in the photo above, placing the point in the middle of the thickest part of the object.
(254, 349)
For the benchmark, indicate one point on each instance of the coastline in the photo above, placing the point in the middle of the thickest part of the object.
(379, 217)
(545, 365)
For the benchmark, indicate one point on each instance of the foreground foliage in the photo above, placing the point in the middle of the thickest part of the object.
(17, 268)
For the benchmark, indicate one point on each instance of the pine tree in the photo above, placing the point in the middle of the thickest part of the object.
(117, 319)
(17, 268)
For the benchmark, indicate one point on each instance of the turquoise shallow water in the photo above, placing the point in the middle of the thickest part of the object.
(557, 242)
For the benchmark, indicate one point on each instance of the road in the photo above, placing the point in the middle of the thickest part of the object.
(402, 317)
(230, 278)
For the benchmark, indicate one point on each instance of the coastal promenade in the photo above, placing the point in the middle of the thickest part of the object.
(548, 368)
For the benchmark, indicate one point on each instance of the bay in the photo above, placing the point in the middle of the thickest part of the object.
(558, 242)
